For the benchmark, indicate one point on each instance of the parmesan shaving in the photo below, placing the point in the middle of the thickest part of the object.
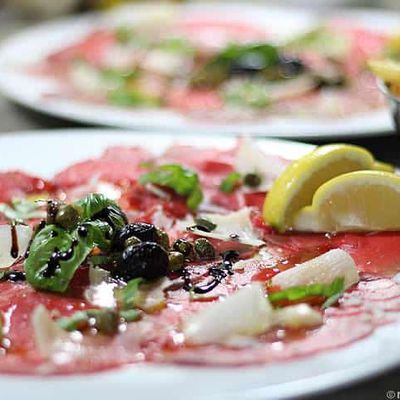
(235, 227)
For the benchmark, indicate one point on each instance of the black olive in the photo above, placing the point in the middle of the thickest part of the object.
(147, 260)
(144, 232)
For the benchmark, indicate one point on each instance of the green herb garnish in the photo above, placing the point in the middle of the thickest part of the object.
(182, 181)
(127, 296)
(130, 315)
(57, 252)
(105, 321)
(296, 293)
(230, 182)
(204, 224)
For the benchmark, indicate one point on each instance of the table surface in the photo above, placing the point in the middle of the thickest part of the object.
(14, 118)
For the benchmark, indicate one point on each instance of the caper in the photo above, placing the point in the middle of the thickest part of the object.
(204, 249)
(132, 241)
(104, 321)
(162, 238)
(52, 210)
(67, 217)
(184, 247)
(252, 180)
(176, 261)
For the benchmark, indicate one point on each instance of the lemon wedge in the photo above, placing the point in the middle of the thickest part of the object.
(386, 69)
(295, 187)
(357, 201)
(382, 166)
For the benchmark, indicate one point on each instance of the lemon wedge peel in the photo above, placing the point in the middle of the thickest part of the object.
(356, 201)
(386, 69)
(295, 187)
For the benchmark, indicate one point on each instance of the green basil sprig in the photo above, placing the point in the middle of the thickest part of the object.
(56, 252)
(331, 292)
(230, 182)
(182, 181)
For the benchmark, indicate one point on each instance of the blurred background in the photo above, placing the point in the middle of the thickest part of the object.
(38, 9)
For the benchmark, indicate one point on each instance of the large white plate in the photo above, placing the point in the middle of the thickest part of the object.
(35, 43)
(45, 153)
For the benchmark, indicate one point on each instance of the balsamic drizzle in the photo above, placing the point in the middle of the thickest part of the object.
(54, 263)
(13, 276)
(14, 242)
(218, 272)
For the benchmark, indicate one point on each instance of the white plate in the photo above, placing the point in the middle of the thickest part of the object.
(45, 153)
(35, 43)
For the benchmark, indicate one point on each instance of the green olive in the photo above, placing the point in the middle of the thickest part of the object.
(162, 238)
(67, 217)
(204, 249)
(131, 241)
(176, 261)
(184, 247)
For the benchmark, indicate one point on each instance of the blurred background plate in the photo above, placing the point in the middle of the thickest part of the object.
(35, 43)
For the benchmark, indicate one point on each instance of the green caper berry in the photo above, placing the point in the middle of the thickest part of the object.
(105, 321)
(67, 217)
(252, 180)
(176, 261)
(162, 238)
(184, 247)
(204, 249)
(131, 241)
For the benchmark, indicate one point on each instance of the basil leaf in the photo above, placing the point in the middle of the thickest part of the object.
(127, 295)
(52, 239)
(97, 206)
(230, 182)
(297, 293)
(75, 322)
(130, 315)
(105, 321)
(182, 181)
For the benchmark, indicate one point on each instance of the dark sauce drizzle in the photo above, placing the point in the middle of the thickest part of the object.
(54, 263)
(13, 276)
(218, 273)
(14, 242)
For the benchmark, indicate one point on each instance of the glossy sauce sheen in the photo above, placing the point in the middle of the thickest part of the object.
(157, 337)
